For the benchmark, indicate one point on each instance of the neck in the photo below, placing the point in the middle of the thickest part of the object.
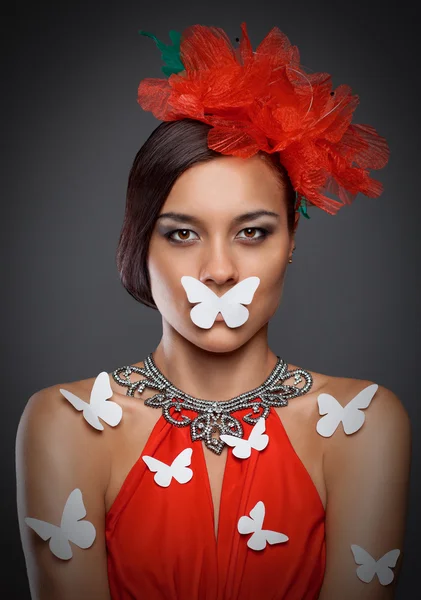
(214, 375)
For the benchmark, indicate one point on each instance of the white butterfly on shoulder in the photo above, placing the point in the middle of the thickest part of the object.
(257, 440)
(72, 529)
(230, 305)
(178, 469)
(370, 567)
(351, 415)
(99, 405)
(253, 524)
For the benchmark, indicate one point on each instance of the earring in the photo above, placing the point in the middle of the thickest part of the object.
(290, 259)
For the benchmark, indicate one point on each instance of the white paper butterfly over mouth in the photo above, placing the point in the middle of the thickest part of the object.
(99, 407)
(230, 305)
(72, 529)
(257, 440)
(253, 524)
(178, 468)
(370, 567)
(351, 416)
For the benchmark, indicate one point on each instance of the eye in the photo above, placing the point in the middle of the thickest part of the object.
(264, 233)
(183, 238)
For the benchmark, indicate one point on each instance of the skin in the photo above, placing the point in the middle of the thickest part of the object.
(362, 479)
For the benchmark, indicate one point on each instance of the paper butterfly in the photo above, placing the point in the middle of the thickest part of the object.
(256, 440)
(230, 305)
(178, 468)
(370, 567)
(72, 529)
(98, 406)
(351, 416)
(253, 524)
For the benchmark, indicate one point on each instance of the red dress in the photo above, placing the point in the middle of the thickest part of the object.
(161, 540)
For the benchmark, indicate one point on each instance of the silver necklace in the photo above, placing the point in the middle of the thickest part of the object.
(214, 416)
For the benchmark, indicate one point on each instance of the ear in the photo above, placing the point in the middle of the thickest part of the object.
(296, 221)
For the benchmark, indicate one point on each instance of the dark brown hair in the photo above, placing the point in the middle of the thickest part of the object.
(172, 147)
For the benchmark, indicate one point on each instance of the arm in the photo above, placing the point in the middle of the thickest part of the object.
(367, 477)
(56, 452)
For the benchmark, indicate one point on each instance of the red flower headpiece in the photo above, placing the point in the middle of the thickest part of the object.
(264, 100)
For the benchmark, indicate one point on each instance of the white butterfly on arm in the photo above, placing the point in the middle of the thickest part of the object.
(370, 567)
(253, 524)
(72, 529)
(99, 407)
(230, 305)
(178, 468)
(257, 440)
(350, 415)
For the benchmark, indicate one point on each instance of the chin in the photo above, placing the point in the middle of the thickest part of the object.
(220, 338)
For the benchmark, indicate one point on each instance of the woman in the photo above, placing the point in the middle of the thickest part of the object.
(255, 478)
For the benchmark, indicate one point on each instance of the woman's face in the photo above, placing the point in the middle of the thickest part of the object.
(210, 237)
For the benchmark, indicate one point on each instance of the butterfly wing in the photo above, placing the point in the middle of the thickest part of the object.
(259, 440)
(81, 405)
(105, 409)
(243, 292)
(368, 565)
(257, 513)
(242, 448)
(196, 290)
(257, 541)
(74, 400)
(275, 537)
(59, 544)
(330, 407)
(234, 315)
(204, 314)
(179, 466)
(232, 309)
(81, 533)
(163, 473)
(246, 525)
(353, 418)
(384, 566)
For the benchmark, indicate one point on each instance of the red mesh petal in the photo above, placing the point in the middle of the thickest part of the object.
(264, 100)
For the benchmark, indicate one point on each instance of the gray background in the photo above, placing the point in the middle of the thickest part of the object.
(72, 128)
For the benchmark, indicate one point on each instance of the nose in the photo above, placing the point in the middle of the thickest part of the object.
(219, 266)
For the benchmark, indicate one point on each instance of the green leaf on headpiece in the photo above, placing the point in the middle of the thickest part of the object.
(303, 208)
(170, 54)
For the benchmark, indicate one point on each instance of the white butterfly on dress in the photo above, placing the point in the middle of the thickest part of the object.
(256, 440)
(99, 407)
(178, 468)
(230, 305)
(253, 524)
(370, 567)
(350, 415)
(72, 529)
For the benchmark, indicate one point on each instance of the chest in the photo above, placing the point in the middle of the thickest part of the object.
(131, 439)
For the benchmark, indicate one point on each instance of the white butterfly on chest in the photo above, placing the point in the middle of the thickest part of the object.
(178, 469)
(257, 440)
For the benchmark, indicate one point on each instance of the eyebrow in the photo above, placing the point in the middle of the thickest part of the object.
(181, 217)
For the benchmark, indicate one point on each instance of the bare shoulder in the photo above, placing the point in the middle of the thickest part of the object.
(53, 429)
(383, 438)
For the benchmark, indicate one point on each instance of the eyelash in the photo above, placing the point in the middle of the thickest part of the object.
(265, 233)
